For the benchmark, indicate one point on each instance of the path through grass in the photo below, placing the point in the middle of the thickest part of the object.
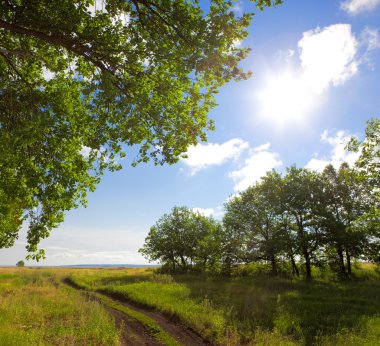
(255, 310)
(36, 310)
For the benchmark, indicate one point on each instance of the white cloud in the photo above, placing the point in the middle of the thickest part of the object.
(47, 74)
(328, 56)
(204, 211)
(98, 257)
(238, 8)
(285, 55)
(214, 212)
(354, 7)
(370, 38)
(85, 151)
(100, 6)
(338, 153)
(256, 166)
(212, 154)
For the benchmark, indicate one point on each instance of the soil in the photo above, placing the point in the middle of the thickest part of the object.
(133, 332)
(184, 335)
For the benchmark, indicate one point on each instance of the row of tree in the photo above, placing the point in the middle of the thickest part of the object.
(304, 218)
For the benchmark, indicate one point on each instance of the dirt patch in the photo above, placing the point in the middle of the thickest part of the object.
(184, 335)
(133, 332)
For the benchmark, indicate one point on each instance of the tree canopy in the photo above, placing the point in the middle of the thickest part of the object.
(80, 81)
(20, 264)
(368, 165)
(297, 221)
(183, 239)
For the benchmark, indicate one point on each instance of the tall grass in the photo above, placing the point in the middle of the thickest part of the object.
(36, 310)
(259, 309)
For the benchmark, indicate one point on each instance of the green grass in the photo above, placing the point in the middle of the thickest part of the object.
(36, 310)
(256, 310)
(150, 325)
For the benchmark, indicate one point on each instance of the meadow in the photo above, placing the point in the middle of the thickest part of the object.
(259, 309)
(38, 308)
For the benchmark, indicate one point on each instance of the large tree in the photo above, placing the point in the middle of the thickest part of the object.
(302, 203)
(82, 80)
(346, 199)
(182, 239)
(255, 217)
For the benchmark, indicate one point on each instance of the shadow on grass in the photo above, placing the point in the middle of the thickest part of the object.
(318, 310)
(308, 312)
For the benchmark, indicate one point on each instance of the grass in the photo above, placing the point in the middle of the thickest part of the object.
(256, 310)
(150, 325)
(36, 310)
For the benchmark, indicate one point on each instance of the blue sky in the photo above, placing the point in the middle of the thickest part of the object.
(316, 69)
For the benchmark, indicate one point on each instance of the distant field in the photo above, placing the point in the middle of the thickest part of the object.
(36, 308)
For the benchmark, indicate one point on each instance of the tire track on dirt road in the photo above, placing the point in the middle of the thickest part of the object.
(129, 318)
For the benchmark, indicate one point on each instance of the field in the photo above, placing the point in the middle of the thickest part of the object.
(91, 306)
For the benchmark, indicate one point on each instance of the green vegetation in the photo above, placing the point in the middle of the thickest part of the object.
(256, 308)
(35, 309)
(20, 264)
(80, 85)
(323, 220)
(149, 324)
(250, 308)
(184, 240)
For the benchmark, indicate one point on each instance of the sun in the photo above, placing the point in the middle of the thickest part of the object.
(285, 99)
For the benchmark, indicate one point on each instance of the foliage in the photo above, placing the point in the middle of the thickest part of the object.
(369, 168)
(345, 197)
(81, 84)
(20, 264)
(254, 218)
(304, 217)
(183, 239)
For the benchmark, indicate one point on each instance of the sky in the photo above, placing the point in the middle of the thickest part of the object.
(315, 83)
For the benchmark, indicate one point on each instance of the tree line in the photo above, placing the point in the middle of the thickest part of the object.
(303, 218)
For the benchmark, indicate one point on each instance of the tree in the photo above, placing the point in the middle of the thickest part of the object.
(369, 149)
(80, 83)
(369, 168)
(20, 264)
(255, 216)
(302, 201)
(208, 249)
(345, 198)
(182, 239)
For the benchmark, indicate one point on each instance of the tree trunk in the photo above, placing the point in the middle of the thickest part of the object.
(342, 268)
(274, 265)
(306, 255)
(294, 266)
(204, 264)
(172, 259)
(183, 261)
(348, 259)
